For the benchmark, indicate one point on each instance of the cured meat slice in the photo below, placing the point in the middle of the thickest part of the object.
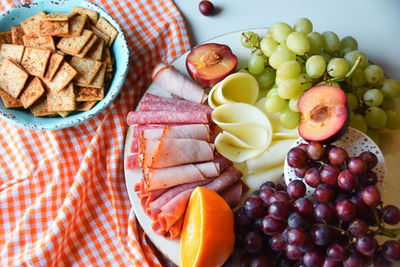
(175, 82)
(190, 131)
(169, 152)
(233, 194)
(178, 117)
(132, 161)
(147, 197)
(225, 180)
(171, 176)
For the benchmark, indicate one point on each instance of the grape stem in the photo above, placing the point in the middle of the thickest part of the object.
(348, 74)
(255, 46)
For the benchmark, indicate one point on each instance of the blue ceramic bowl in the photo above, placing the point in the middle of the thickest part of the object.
(120, 50)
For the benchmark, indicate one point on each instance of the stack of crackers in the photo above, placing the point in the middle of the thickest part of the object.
(56, 63)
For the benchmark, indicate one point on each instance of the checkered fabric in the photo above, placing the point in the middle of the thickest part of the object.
(63, 198)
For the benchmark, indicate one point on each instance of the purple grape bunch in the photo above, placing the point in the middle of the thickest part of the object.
(279, 225)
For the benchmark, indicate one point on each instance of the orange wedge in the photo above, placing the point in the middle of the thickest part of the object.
(207, 237)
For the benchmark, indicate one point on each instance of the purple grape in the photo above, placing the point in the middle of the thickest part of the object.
(307, 246)
(371, 196)
(241, 218)
(324, 193)
(337, 156)
(362, 210)
(366, 244)
(206, 7)
(329, 174)
(303, 146)
(296, 237)
(295, 220)
(358, 227)
(391, 250)
(279, 196)
(370, 159)
(356, 165)
(328, 148)
(268, 184)
(296, 189)
(315, 151)
(323, 212)
(380, 261)
(342, 195)
(321, 235)
(354, 260)
(279, 210)
(271, 226)
(303, 205)
(292, 252)
(369, 178)
(337, 251)
(313, 258)
(345, 210)
(330, 262)
(312, 177)
(254, 207)
(265, 195)
(282, 183)
(391, 214)
(253, 242)
(255, 194)
(297, 158)
(301, 172)
(277, 243)
(245, 260)
(347, 181)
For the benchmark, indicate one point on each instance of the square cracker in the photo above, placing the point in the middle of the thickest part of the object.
(93, 16)
(52, 67)
(59, 16)
(86, 49)
(12, 77)
(88, 93)
(15, 52)
(45, 42)
(76, 25)
(63, 100)
(40, 109)
(107, 59)
(87, 69)
(32, 92)
(63, 113)
(62, 78)
(9, 101)
(35, 61)
(16, 34)
(107, 28)
(85, 105)
(74, 44)
(100, 34)
(96, 52)
(31, 24)
(53, 28)
(98, 81)
(5, 38)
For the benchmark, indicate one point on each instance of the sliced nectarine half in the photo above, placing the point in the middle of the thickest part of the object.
(208, 64)
(324, 114)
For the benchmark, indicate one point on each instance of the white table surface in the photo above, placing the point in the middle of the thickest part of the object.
(375, 24)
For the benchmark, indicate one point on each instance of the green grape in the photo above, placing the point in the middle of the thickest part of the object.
(376, 118)
(249, 39)
(268, 46)
(280, 31)
(288, 70)
(358, 122)
(326, 56)
(391, 88)
(282, 47)
(289, 88)
(331, 42)
(305, 80)
(303, 25)
(289, 119)
(352, 56)
(266, 79)
(316, 42)
(387, 103)
(352, 101)
(373, 97)
(272, 91)
(357, 79)
(337, 67)
(373, 74)
(268, 33)
(349, 42)
(315, 66)
(275, 104)
(256, 64)
(278, 57)
(374, 136)
(243, 71)
(293, 105)
(298, 43)
(393, 119)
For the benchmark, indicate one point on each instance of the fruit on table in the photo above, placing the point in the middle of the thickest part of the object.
(208, 64)
(324, 114)
(206, 7)
(207, 237)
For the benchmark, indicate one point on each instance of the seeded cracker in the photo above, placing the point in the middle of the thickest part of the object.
(31, 25)
(52, 67)
(35, 61)
(96, 52)
(53, 28)
(32, 92)
(106, 27)
(74, 44)
(15, 52)
(76, 25)
(9, 101)
(62, 78)
(12, 77)
(44, 42)
(86, 68)
(63, 100)
(16, 34)
(93, 16)
(59, 16)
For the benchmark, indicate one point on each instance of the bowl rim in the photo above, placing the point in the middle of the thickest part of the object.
(112, 91)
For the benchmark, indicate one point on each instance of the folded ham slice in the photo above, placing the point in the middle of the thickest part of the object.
(132, 161)
(182, 174)
(178, 84)
(178, 117)
(233, 194)
(169, 152)
(189, 131)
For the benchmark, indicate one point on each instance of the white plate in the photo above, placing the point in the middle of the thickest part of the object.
(170, 248)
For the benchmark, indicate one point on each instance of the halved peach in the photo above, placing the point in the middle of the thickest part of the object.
(208, 64)
(324, 114)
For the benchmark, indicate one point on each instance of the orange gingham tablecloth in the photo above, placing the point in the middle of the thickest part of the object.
(63, 198)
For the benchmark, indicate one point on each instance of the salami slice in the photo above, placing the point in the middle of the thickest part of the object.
(232, 195)
(178, 117)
